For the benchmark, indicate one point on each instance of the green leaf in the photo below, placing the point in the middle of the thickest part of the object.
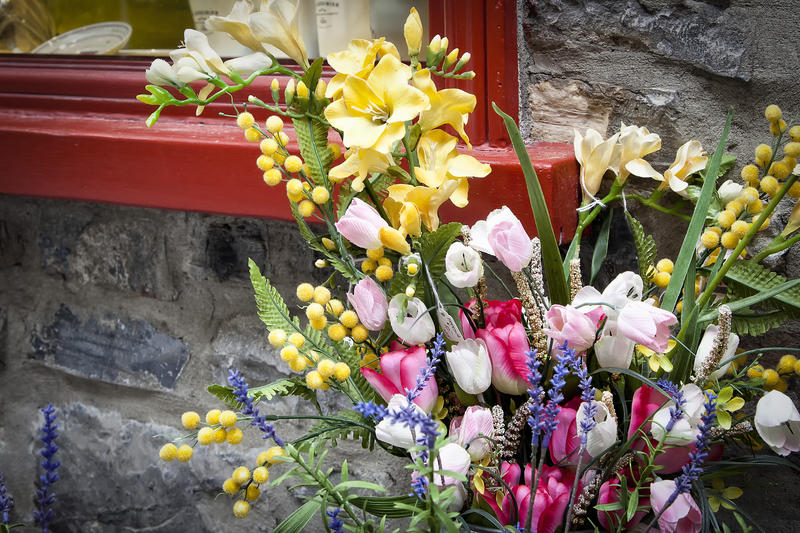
(755, 324)
(356, 484)
(387, 505)
(744, 303)
(696, 224)
(633, 504)
(432, 249)
(312, 138)
(601, 246)
(748, 278)
(615, 506)
(646, 251)
(293, 386)
(311, 76)
(551, 256)
(299, 519)
(314, 242)
(344, 425)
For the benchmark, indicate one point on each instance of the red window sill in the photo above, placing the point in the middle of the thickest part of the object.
(70, 128)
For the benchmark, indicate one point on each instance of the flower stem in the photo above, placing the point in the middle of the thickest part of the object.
(568, 523)
(778, 244)
(649, 202)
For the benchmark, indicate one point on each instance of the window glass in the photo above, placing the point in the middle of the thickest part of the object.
(156, 26)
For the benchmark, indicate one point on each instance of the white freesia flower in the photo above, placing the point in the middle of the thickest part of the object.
(203, 58)
(162, 73)
(685, 430)
(415, 326)
(603, 434)
(729, 191)
(464, 266)
(778, 422)
(635, 142)
(397, 433)
(277, 24)
(594, 156)
(470, 365)
(704, 351)
(236, 24)
(689, 159)
(247, 65)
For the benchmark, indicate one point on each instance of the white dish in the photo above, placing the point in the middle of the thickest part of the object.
(102, 38)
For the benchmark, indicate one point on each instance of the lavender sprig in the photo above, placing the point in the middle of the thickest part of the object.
(426, 428)
(6, 501)
(587, 396)
(45, 497)
(555, 395)
(335, 525)
(694, 468)
(676, 395)
(248, 409)
(420, 486)
(426, 372)
(536, 393)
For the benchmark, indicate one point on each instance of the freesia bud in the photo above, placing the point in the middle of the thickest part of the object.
(274, 88)
(473, 431)
(436, 44)
(369, 303)
(464, 265)
(463, 61)
(412, 30)
(302, 90)
(319, 92)
(288, 93)
(778, 422)
(362, 224)
(470, 366)
(451, 58)
(415, 325)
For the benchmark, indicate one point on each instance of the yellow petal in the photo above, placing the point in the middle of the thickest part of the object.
(393, 239)
(466, 166)
(390, 135)
(723, 419)
(460, 195)
(641, 168)
(477, 480)
(665, 363)
(654, 363)
(713, 502)
(389, 74)
(732, 493)
(734, 404)
(724, 395)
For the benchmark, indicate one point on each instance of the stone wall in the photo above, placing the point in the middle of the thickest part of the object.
(675, 67)
(120, 317)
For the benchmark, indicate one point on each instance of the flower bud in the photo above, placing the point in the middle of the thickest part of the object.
(288, 93)
(302, 90)
(274, 87)
(412, 30)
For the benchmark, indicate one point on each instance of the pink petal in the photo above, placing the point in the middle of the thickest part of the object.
(379, 382)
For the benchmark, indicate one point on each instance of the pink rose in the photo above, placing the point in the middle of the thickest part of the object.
(369, 303)
(646, 324)
(683, 515)
(507, 350)
(568, 324)
(399, 371)
(361, 225)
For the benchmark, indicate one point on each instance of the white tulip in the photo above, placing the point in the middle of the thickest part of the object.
(397, 433)
(470, 365)
(778, 422)
(464, 265)
(603, 434)
(685, 430)
(614, 350)
(415, 326)
(704, 351)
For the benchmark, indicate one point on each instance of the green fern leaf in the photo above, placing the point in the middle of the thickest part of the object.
(385, 505)
(646, 251)
(745, 279)
(343, 425)
(293, 386)
(312, 138)
(755, 324)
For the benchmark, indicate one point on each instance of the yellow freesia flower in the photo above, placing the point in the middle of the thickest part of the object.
(412, 30)
(410, 207)
(594, 156)
(658, 360)
(371, 113)
(275, 23)
(448, 106)
(689, 159)
(440, 161)
(360, 162)
(634, 143)
(357, 60)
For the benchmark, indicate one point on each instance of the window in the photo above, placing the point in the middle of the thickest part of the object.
(71, 128)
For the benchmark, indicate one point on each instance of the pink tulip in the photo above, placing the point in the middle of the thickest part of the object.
(549, 505)
(496, 313)
(361, 225)
(609, 493)
(646, 324)
(399, 371)
(646, 401)
(503, 236)
(507, 347)
(370, 304)
(568, 324)
(683, 515)
(564, 442)
(473, 431)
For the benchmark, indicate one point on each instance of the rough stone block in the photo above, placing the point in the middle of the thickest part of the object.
(230, 244)
(111, 349)
(60, 228)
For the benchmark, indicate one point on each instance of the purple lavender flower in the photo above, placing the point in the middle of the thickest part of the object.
(694, 468)
(6, 501)
(587, 395)
(248, 409)
(44, 497)
(420, 486)
(676, 395)
(429, 369)
(426, 428)
(335, 524)
(536, 393)
(555, 395)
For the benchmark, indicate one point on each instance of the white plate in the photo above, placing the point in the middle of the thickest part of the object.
(102, 38)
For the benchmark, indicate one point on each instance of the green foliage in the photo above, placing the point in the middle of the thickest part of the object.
(292, 386)
(646, 251)
(379, 185)
(551, 256)
(386, 505)
(432, 249)
(601, 246)
(314, 242)
(696, 224)
(299, 519)
(343, 425)
(312, 138)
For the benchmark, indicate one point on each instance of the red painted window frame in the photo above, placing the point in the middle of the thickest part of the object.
(70, 127)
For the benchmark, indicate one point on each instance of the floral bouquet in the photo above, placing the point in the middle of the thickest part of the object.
(555, 406)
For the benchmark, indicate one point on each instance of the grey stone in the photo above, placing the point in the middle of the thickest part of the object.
(697, 33)
(230, 244)
(3, 338)
(128, 253)
(59, 231)
(12, 244)
(111, 349)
